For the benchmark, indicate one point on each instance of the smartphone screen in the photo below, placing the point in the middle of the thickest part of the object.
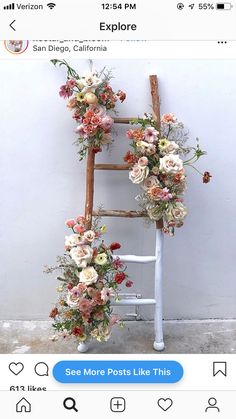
(117, 182)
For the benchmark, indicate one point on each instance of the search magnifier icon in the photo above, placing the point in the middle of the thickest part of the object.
(70, 404)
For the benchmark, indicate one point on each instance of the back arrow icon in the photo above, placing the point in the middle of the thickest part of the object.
(12, 24)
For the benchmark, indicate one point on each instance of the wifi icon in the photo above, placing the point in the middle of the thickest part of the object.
(51, 5)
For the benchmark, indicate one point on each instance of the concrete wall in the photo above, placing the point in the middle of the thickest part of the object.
(42, 184)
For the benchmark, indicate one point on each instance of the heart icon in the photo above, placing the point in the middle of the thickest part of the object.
(165, 404)
(16, 368)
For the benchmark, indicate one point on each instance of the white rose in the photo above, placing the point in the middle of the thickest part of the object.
(143, 161)
(171, 163)
(88, 276)
(72, 240)
(150, 182)
(177, 213)
(82, 255)
(154, 213)
(171, 148)
(147, 148)
(151, 150)
(138, 174)
(168, 147)
(89, 235)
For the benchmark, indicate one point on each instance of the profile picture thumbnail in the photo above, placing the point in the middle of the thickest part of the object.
(16, 46)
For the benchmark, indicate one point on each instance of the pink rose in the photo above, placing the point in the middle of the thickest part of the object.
(85, 305)
(97, 110)
(106, 123)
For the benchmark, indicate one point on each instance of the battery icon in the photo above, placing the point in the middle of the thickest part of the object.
(224, 6)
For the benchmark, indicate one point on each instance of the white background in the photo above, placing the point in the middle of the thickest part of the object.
(42, 184)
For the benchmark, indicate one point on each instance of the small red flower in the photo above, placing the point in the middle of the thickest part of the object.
(108, 88)
(95, 252)
(103, 97)
(117, 264)
(130, 158)
(130, 134)
(115, 246)
(129, 284)
(71, 83)
(53, 313)
(97, 150)
(120, 277)
(69, 286)
(121, 95)
(206, 177)
(77, 331)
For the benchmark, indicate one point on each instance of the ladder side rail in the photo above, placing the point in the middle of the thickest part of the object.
(158, 344)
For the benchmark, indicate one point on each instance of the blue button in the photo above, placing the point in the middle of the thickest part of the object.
(118, 372)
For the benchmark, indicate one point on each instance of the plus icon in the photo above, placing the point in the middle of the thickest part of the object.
(117, 404)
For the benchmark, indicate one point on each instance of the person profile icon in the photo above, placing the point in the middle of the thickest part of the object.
(212, 405)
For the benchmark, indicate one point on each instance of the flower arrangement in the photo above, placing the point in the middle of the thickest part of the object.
(90, 98)
(90, 276)
(158, 166)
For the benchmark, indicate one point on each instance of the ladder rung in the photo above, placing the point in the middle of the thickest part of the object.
(123, 120)
(120, 213)
(136, 259)
(111, 167)
(134, 302)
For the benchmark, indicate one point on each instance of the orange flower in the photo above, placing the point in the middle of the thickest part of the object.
(89, 114)
(138, 134)
(155, 192)
(179, 177)
(53, 313)
(130, 158)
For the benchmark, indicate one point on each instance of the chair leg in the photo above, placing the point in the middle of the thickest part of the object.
(158, 344)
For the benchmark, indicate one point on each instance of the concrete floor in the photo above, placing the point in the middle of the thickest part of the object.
(216, 336)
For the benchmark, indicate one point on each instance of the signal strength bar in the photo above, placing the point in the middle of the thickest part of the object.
(10, 6)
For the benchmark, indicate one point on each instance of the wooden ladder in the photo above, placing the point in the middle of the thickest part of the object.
(90, 212)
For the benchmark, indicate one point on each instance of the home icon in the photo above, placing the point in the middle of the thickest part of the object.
(23, 406)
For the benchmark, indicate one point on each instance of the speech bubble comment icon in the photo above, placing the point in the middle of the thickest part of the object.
(41, 369)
